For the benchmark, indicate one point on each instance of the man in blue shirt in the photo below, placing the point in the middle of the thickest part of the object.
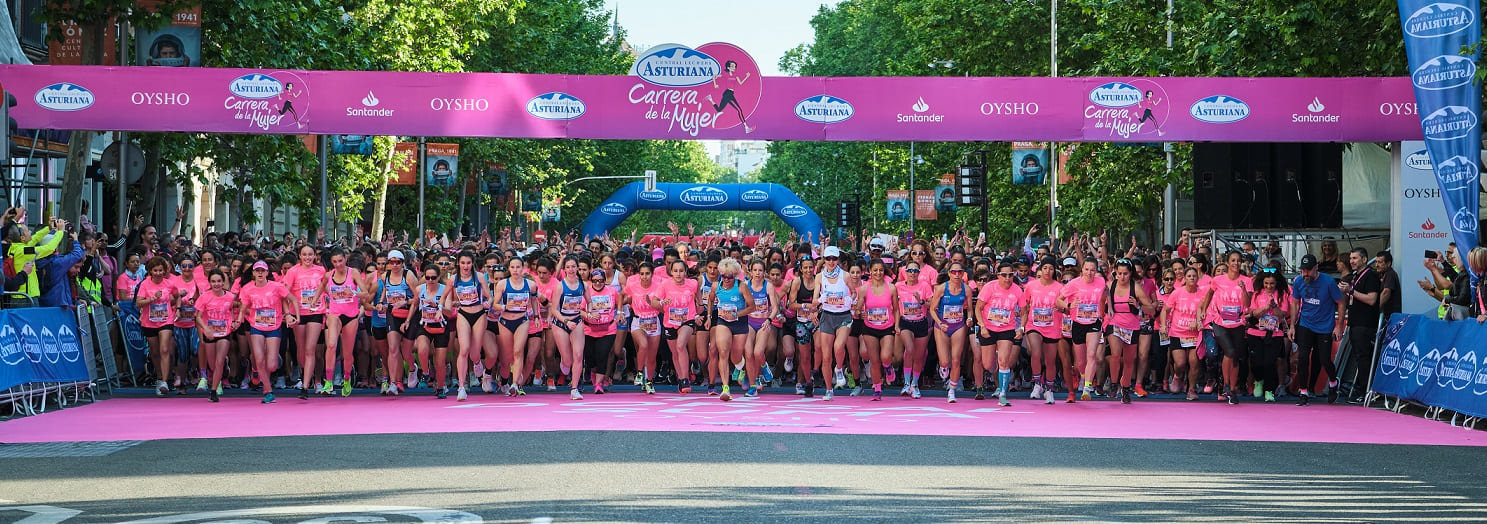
(1317, 303)
(56, 290)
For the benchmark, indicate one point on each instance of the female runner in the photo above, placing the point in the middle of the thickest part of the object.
(468, 293)
(913, 325)
(395, 288)
(431, 331)
(678, 303)
(835, 297)
(305, 281)
(187, 338)
(879, 309)
(640, 292)
(600, 309)
(727, 305)
(216, 318)
(1042, 330)
(702, 350)
(1228, 303)
(761, 338)
(1182, 319)
(1084, 298)
(947, 309)
(158, 297)
(566, 315)
(1125, 301)
(516, 299)
(1166, 379)
(343, 318)
(1266, 337)
(999, 313)
(802, 296)
(266, 307)
(547, 343)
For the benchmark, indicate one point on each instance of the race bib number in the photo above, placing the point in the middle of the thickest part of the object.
(1229, 314)
(1269, 323)
(307, 299)
(570, 304)
(466, 294)
(601, 304)
(431, 315)
(342, 295)
(913, 310)
(219, 328)
(1188, 342)
(1068, 326)
(999, 316)
(1043, 317)
(953, 314)
(835, 298)
(159, 312)
(397, 298)
(1122, 333)
(648, 324)
(1184, 323)
(1088, 313)
(265, 318)
(877, 315)
(518, 302)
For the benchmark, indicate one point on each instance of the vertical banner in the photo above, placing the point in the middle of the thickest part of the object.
(176, 44)
(945, 193)
(552, 212)
(1029, 163)
(443, 162)
(898, 204)
(1449, 100)
(69, 50)
(1423, 223)
(496, 183)
(924, 205)
(405, 164)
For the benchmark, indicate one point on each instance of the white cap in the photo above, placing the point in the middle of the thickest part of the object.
(831, 251)
(1069, 261)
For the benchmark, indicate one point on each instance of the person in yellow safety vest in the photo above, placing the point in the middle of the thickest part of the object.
(26, 247)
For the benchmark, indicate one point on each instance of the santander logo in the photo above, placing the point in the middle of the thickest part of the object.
(1428, 225)
(1427, 231)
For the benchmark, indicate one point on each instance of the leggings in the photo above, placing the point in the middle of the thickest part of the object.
(1314, 352)
(1262, 354)
(596, 351)
(727, 99)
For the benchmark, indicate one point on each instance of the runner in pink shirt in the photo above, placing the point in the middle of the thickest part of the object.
(914, 294)
(266, 307)
(879, 310)
(679, 313)
(1228, 303)
(305, 281)
(1084, 299)
(640, 293)
(343, 316)
(216, 318)
(1043, 328)
(1000, 310)
(1126, 301)
(601, 305)
(1182, 319)
(158, 298)
(1265, 337)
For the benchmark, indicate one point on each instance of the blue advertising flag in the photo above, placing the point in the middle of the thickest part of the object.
(1449, 100)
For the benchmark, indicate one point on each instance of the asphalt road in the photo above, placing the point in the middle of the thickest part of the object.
(748, 477)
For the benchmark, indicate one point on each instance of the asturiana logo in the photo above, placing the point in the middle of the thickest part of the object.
(31, 343)
(614, 209)
(1427, 366)
(1439, 19)
(71, 349)
(1419, 160)
(1457, 172)
(64, 97)
(704, 196)
(1465, 220)
(49, 347)
(654, 195)
(256, 86)
(1220, 109)
(793, 211)
(10, 346)
(754, 195)
(1115, 94)
(1448, 123)
(1389, 361)
(676, 65)
(824, 109)
(556, 105)
(1444, 72)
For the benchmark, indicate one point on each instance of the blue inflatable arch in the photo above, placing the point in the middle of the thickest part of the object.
(672, 196)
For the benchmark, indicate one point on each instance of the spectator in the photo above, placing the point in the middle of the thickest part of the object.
(25, 248)
(53, 273)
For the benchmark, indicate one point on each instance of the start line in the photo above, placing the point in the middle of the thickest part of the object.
(194, 417)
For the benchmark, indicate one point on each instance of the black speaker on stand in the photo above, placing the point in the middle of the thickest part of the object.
(1288, 209)
(1253, 210)
(1213, 184)
(1322, 185)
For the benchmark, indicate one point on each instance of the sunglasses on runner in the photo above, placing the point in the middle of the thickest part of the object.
(1009, 275)
(829, 258)
(912, 270)
(431, 278)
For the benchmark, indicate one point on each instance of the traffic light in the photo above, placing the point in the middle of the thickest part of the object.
(847, 214)
(971, 185)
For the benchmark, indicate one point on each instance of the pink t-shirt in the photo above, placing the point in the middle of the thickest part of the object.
(216, 313)
(1042, 302)
(640, 297)
(1268, 325)
(680, 307)
(1084, 299)
(264, 304)
(914, 299)
(125, 287)
(345, 298)
(186, 313)
(159, 313)
(304, 286)
(877, 307)
(603, 303)
(1226, 308)
(999, 306)
(1182, 312)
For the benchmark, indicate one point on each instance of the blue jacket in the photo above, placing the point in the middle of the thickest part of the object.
(56, 291)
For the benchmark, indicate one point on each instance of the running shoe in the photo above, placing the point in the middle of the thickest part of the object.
(201, 384)
(889, 375)
(639, 379)
(218, 391)
(1232, 397)
(304, 394)
(649, 389)
(509, 390)
(383, 390)
(161, 388)
(1172, 385)
(268, 398)
(573, 394)
(712, 391)
(212, 396)
(244, 385)
(460, 396)
(1208, 388)
(737, 375)
(346, 388)
(394, 389)
(1125, 395)
(980, 393)
(914, 393)
(908, 388)
(683, 388)
(753, 392)
(325, 389)
(1048, 396)
(1192, 394)
(1269, 396)
(1304, 400)
(441, 393)
(598, 390)
(551, 385)
(877, 395)
(412, 380)
(830, 393)
(1331, 392)
(485, 383)
(809, 390)
(1084, 393)
(950, 394)
(1140, 391)
(841, 378)
(299, 384)
(1001, 399)
(789, 364)
(279, 382)
(766, 373)
(338, 381)
(799, 389)
(1070, 400)
(851, 380)
(1259, 388)
(1037, 391)
(725, 395)
(520, 392)
(856, 390)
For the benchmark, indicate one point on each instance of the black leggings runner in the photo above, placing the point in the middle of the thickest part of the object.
(1313, 354)
(1262, 354)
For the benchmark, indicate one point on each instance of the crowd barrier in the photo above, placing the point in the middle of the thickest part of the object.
(1441, 365)
(43, 353)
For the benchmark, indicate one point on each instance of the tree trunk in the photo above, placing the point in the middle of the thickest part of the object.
(378, 214)
(80, 145)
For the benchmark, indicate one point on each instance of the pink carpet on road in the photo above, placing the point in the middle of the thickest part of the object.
(194, 417)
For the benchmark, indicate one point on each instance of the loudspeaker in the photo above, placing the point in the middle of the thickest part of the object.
(1288, 209)
(1213, 181)
(1251, 169)
(1321, 185)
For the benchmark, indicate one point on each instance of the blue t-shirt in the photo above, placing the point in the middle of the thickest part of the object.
(1318, 302)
